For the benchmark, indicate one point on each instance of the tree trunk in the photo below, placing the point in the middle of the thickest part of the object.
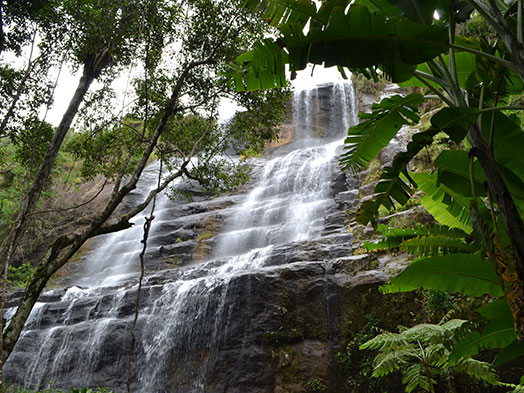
(512, 221)
(2, 34)
(33, 195)
(57, 257)
(30, 200)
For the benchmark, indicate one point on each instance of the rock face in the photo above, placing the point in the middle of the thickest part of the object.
(244, 293)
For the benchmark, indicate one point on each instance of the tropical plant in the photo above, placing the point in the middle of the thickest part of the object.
(478, 193)
(422, 353)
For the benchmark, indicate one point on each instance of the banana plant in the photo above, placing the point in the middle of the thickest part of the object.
(479, 191)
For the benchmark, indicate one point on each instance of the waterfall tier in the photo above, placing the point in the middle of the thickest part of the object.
(259, 295)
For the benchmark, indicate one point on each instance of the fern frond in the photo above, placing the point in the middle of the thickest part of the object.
(384, 340)
(387, 362)
(414, 377)
(478, 370)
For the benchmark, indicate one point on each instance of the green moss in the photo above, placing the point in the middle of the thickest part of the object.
(204, 236)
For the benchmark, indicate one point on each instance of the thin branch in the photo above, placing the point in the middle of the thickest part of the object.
(519, 21)
(72, 207)
(147, 228)
(21, 86)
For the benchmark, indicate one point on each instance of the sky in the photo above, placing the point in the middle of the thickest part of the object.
(68, 81)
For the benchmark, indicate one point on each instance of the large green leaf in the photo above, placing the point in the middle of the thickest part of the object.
(390, 188)
(464, 273)
(447, 207)
(508, 139)
(279, 13)
(453, 171)
(395, 237)
(435, 245)
(392, 183)
(380, 5)
(266, 67)
(418, 11)
(455, 121)
(367, 139)
(499, 333)
(510, 352)
(377, 39)
(356, 39)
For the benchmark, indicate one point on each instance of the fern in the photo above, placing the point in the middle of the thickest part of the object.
(384, 340)
(414, 377)
(388, 361)
(422, 353)
(478, 370)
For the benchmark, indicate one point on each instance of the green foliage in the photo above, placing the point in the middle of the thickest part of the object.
(473, 75)
(420, 240)
(498, 333)
(422, 353)
(466, 273)
(367, 139)
(447, 206)
(315, 385)
(20, 276)
(335, 35)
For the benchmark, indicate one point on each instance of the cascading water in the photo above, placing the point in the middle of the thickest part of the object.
(188, 332)
(116, 256)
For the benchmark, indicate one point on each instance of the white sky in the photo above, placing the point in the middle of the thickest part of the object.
(67, 84)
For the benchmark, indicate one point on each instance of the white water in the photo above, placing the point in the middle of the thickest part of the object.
(188, 314)
(116, 256)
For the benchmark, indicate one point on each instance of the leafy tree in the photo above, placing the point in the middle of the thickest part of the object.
(478, 191)
(181, 48)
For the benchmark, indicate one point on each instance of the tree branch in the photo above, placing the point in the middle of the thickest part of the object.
(70, 245)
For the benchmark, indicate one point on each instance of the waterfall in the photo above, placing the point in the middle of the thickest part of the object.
(188, 330)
